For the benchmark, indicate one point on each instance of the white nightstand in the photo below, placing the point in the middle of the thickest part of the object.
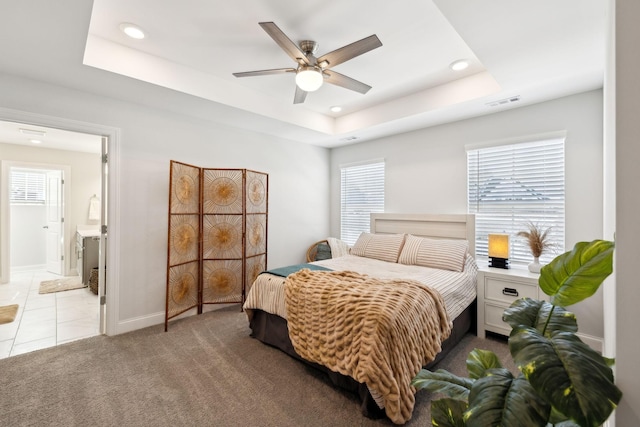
(497, 289)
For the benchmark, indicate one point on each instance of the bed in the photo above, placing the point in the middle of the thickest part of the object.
(366, 318)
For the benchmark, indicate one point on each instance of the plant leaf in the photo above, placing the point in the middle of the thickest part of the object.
(570, 375)
(558, 419)
(442, 381)
(448, 412)
(499, 399)
(577, 274)
(545, 317)
(479, 361)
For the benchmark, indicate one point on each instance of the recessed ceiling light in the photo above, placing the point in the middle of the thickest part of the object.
(459, 65)
(336, 108)
(132, 30)
(35, 141)
(33, 132)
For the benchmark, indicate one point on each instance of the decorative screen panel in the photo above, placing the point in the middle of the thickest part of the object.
(182, 290)
(223, 191)
(217, 235)
(256, 234)
(183, 239)
(183, 257)
(222, 281)
(185, 189)
(222, 236)
(254, 266)
(257, 188)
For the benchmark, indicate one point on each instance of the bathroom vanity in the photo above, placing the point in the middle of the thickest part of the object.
(88, 250)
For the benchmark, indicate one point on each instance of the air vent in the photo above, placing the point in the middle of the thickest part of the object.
(33, 132)
(349, 139)
(504, 101)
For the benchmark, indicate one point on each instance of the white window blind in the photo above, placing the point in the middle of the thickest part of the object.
(510, 185)
(361, 192)
(27, 186)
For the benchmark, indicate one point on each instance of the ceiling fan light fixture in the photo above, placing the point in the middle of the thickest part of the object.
(309, 79)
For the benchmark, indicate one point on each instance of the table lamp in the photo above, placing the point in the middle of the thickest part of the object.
(499, 250)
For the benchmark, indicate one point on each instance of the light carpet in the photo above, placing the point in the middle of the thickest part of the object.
(59, 285)
(8, 313)
(206, 371)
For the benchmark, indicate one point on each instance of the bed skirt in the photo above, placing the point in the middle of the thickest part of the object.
(272, 330)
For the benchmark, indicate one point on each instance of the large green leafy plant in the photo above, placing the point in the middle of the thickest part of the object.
(561, 382)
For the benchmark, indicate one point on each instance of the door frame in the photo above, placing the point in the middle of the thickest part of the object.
(108, 325)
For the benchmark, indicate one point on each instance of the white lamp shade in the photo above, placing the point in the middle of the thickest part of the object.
(499, 246)
(309, 79)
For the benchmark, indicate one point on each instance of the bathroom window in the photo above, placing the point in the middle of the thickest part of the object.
(27, 186)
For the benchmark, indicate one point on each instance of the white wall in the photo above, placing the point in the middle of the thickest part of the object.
(627, 253)
(149, 139)
(83, 183)
(426, 169)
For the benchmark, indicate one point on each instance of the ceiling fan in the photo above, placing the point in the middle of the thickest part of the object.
(311, 72)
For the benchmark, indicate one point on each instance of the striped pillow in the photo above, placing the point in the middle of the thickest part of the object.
(385, 247)
(435, 253)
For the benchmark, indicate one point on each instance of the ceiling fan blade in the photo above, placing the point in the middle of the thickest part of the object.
(265, 72)
(349, 51)
(284, 42)
(345, 82)
(300, 96)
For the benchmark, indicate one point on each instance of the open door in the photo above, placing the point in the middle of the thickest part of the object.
(55, 222)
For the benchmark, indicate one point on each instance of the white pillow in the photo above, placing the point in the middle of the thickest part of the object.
(385, 247)
(445, 254)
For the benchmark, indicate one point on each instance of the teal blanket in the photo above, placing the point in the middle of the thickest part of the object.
(290, 269)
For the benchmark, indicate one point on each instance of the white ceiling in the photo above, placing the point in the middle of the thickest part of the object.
(532, 50)
(46, 137)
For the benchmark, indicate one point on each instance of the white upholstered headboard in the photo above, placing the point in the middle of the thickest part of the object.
(448, 226)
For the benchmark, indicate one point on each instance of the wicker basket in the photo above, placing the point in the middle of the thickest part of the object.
(318, 251)
(93, 281)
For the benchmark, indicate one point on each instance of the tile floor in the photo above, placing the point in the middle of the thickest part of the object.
(45, 320)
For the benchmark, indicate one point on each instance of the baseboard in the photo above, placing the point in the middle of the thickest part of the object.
(595, 343)
(130, 325)
(133, 324)
(29, 267)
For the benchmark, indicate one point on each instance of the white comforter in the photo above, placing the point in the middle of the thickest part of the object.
(458, 290)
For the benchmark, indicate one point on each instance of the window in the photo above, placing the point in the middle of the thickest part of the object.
(510, 185)
(361, 192)
(27, 186)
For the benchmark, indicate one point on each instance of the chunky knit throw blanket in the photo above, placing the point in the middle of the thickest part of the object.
(379, 332)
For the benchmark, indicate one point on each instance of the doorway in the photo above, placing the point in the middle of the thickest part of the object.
(65, 209)
(36, 216)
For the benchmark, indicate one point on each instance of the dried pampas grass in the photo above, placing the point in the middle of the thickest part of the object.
(537, 237)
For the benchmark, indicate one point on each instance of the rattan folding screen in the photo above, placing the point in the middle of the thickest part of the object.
(217, 236)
